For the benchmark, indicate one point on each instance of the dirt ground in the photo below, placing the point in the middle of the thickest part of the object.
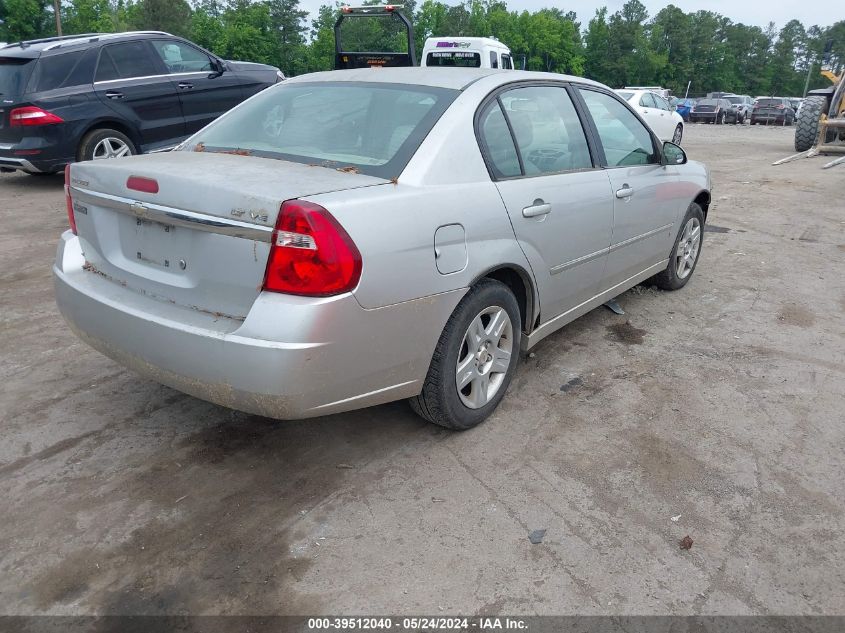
(720, 405)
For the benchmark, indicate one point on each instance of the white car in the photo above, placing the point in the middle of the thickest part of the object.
(656, 111)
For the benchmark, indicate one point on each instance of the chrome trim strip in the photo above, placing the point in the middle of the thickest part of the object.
(6, 145)
(554, 270)
(638, 238)
(129, 79)
(175, 217)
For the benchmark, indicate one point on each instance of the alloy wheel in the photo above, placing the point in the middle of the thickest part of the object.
(688, 246)
(484, 357)
(111, 147)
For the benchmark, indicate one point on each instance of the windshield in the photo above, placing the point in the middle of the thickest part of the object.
(14, 73)
(454, 58)
(769, 102)
(371, 128)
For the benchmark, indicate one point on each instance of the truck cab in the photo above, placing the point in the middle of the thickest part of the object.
(472, 52)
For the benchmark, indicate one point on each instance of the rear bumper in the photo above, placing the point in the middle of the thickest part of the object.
(292, 357)
(47, 159)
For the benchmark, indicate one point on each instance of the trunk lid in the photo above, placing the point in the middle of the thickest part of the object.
(203, 239)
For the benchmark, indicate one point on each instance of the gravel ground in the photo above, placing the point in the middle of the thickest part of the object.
(720, 405)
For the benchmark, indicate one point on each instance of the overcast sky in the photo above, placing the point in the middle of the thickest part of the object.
(758, 12)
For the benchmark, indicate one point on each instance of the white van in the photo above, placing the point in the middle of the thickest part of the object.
(472, 52)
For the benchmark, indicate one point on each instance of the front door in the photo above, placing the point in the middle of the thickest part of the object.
(205, 94)
(560, 205)
(646, 206)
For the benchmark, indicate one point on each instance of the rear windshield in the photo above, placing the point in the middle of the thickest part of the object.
(371, 128)
(466, 59)
(769, 102)
(734, 99)
(707, 102)
(14, 73)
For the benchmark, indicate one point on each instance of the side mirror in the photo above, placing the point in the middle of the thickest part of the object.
(673, 154)
(218, 67)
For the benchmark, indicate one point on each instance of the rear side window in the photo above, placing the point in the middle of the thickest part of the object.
(494, 59)
(507, 62)
(62, 71)
(126, 60)
(454, 58)
(14, 75)
(547, 129)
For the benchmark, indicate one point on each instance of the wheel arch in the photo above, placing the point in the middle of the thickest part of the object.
(703, 200)
(112, 124)
(521, 284)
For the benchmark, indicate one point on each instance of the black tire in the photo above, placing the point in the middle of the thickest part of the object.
(439, 401)
(807, 127)
(679, 134)
(85, 151)
(668, 278)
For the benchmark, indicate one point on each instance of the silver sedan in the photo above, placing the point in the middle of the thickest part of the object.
(350, 238)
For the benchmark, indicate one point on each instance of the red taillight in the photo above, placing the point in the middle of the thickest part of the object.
(780, 107)
(68, 202)
(31, 115)
(311, 254)
(139, 183)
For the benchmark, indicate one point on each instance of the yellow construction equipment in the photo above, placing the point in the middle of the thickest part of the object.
(821, 127)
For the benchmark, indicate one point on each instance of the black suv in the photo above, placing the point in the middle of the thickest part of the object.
(83, 97)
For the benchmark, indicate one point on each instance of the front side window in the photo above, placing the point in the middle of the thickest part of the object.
(454, 58)
(548, 131)
(182, 58)
(372, 128)
(661, 102)
(626, 141)
(125, 61)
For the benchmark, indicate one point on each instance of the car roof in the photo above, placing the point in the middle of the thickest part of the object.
(435, 77)
(33, 48)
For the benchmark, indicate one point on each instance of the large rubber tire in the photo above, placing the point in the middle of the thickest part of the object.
(439, 401)
(807, 126)
(668, 278)
(89, 142)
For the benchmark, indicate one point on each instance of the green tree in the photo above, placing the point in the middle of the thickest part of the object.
(172, 16)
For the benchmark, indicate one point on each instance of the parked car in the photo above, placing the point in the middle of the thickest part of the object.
(346, 239)
(682, 106)
(740, 110)
(656, 111)
(710, 111)
(775, 110)
(472, 52)
(96, 96)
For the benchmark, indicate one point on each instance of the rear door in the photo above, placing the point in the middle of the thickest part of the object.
(131, 80)
(646, 204)
(205, 94)
(560, 205)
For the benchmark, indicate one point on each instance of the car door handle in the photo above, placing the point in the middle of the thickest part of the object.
(114, 94)
(625, 192)
(185, 86)
(537, 209)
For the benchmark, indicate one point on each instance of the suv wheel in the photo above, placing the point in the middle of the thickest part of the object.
(474, 360)
(105, 143)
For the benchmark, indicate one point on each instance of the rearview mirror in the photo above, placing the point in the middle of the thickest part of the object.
(673, 154)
